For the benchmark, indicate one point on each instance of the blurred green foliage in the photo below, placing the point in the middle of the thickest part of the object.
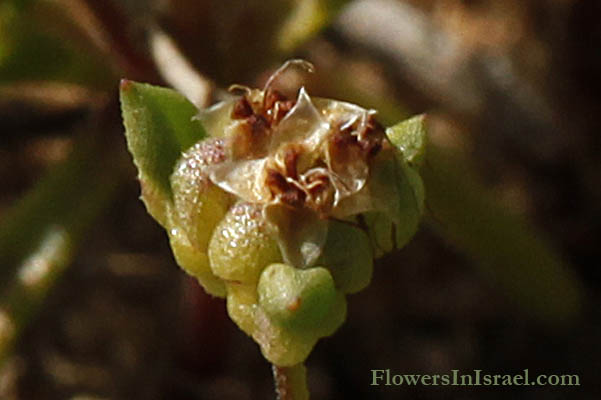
(503, 246)
(30, 50)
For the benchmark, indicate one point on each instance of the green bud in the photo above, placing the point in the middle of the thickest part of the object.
(199, 205)
(279, 345)
(296, 298)
(241, 246)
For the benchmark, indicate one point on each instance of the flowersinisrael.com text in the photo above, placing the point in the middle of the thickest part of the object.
(384, 377)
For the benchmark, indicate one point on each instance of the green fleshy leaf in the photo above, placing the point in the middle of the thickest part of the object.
(159, 126)
(409, 137)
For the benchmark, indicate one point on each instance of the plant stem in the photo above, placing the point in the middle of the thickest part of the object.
(291, 382)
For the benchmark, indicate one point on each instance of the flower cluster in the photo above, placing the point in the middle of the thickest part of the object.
(282, 208)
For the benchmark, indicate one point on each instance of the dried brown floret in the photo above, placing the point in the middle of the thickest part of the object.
(271, 97)
(257, 120)
(320, 192)
(276, 106)
(371, 137)
(284, 190)
(251, 137)
(291, 155)
(367, 138)
(242, 109)
(259, 126)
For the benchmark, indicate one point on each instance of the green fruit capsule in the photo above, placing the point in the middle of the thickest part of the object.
(348, 255)
(298, 299)
(241, 246)
(198, 204)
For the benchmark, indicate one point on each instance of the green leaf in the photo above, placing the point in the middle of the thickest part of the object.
(409, 137)
(159, 126)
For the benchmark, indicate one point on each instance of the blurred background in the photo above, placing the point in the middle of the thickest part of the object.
(502, 276)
